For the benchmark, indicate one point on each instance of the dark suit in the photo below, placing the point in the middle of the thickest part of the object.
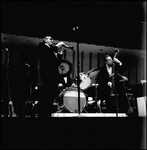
(50, 77)
(104, 91)
(102, 79)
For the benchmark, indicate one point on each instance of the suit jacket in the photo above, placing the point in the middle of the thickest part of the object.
(49, 63)
(103, 77)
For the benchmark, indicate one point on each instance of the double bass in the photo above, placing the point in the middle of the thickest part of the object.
(113, 88)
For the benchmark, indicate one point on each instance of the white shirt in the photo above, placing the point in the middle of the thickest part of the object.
(65, 79)
(109, 69)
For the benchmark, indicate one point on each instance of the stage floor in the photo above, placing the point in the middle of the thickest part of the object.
(89, 115)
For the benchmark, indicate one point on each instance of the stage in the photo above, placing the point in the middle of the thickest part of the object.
(89, 115)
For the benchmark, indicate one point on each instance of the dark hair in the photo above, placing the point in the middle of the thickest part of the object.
(47, 37)
(106, 57)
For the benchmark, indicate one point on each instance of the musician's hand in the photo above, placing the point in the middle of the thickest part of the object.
(60, 46)
(117, 61)
(110, 84)
(60, 50)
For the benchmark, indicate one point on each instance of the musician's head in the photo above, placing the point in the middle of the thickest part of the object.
(48, 39)
(108, 60)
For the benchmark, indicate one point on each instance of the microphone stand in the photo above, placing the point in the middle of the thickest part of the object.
(78, 80)
(78, 71)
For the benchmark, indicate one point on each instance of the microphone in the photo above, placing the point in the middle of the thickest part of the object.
(75, 28)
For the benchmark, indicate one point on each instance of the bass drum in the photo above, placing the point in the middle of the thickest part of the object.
(70, 99)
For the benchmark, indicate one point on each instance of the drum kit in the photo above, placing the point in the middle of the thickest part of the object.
(67, 100)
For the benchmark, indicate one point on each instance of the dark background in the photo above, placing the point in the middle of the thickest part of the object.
(110, 23)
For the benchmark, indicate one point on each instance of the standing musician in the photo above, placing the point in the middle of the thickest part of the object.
(49, 56)
(105, 79)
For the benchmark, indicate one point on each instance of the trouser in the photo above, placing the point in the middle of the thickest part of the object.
(45, 102)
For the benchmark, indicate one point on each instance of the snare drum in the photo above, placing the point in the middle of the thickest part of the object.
(70, 99)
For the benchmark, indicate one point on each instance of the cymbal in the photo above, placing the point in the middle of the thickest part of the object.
(65, 68)
(93, 72)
